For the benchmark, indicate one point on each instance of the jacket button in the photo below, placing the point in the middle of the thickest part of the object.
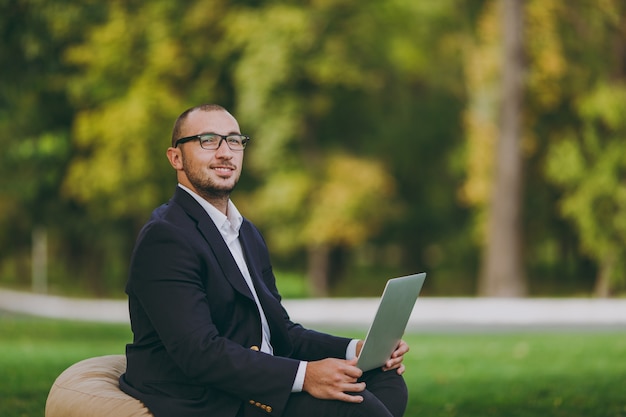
(268, 409)
(256, 348)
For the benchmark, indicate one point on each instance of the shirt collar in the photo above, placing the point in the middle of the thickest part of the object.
(232, 221)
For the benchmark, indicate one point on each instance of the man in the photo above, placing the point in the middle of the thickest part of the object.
(211, 337)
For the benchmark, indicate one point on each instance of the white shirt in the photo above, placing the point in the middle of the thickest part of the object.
(229, 226)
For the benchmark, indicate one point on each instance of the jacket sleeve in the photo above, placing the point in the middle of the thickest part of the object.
(304, 344)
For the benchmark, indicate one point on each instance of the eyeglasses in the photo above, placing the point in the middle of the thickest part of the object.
(212, 141)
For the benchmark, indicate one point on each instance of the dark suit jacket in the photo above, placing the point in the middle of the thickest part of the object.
(196, 326)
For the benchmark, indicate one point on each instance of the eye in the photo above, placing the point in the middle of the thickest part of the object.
(210, 139)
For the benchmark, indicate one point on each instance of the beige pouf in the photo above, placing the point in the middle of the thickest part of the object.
(90, 388)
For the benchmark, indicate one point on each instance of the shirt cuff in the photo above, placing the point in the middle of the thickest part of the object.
(351, 349)
(298, 383)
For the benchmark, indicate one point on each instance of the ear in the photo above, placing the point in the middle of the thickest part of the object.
(175, 156)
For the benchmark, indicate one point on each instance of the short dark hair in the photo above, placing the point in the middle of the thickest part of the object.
(178, 125)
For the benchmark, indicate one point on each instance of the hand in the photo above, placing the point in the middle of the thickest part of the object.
(395, 362)
(332, 379)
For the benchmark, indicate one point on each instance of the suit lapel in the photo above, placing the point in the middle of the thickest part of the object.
(274, 312)
(213, 237)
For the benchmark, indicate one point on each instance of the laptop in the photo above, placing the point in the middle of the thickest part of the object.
(392, 316)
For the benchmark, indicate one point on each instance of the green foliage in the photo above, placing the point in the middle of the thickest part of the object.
(360, 113)
(582, 155)
(318, 82)
(35, 116)
(332, 208)
(590, 167)
(125, 109)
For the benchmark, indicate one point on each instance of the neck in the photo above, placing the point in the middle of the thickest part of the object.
(217, 200)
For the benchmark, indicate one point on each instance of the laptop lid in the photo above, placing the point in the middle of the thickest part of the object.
(392, 316)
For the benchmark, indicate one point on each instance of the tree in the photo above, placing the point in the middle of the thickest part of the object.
(495, 74)
(34, 124)
(333, 210)
(340, 78)
(503, 272)
(590, 166)
(354, 109)
(585, 159)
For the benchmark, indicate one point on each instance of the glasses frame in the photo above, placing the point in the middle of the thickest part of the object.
(223, 138)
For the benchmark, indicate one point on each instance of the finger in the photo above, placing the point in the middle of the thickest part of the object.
(355, 387)
(352, 362)
(401, 369)
(351, 370)
(394, 362)
(354, 373)
(402, 348)
(350, 398)
(390, 367)
(348, 393)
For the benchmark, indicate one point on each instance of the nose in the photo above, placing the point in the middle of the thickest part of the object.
(223, 150)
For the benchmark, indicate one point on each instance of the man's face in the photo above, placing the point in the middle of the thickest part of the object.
(210, 173)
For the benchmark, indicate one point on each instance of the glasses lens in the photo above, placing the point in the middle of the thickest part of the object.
(213, 141)
(210, 141)
(236, 142)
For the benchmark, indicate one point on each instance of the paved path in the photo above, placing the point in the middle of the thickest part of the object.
(430, 313)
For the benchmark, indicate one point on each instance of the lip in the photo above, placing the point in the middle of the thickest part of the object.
(223, 169)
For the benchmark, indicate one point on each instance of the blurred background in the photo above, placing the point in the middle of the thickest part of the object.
(482, 141)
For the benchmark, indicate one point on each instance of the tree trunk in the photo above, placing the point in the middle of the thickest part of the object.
(40, 260)
(318, 266)
(502, 272)
(602, 287)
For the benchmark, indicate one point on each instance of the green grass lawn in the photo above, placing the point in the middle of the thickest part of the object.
(459, 374)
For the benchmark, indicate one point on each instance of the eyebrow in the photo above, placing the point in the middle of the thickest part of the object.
(214, 133)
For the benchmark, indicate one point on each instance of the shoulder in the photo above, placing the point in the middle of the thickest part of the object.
(168, 226)
(169, 215)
